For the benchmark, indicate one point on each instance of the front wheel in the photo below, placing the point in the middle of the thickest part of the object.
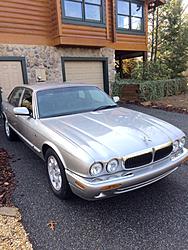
(10, 134)
(56, 175)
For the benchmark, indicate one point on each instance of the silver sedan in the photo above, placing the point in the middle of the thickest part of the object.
(90, 145)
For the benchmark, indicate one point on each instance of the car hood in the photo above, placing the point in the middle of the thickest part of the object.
(116, 132)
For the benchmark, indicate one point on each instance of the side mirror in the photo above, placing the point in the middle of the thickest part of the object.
(21, 111)
(116, 99)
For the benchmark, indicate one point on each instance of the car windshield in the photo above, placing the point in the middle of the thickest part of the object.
(72, 100)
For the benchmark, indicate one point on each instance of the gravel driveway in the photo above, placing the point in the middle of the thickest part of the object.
(154, 217)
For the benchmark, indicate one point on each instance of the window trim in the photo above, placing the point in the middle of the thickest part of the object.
(130, 30)
(11, 94)
(83, 21)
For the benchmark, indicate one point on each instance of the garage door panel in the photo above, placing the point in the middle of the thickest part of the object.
(10, 76)
(85, 72)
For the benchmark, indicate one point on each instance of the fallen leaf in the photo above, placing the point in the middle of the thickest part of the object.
(2, 196)
(52, 225)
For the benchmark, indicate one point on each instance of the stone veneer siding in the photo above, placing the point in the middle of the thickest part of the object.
(49, 58)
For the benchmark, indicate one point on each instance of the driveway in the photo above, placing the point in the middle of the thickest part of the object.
(154, 217)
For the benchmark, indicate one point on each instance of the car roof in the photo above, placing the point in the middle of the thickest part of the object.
(44, 86)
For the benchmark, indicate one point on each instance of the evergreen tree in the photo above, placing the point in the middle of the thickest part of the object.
(172, 35)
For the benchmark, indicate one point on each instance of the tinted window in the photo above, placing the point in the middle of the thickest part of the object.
(14, 97)
(71, 100)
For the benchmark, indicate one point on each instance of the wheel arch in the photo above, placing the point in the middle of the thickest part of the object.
(49, 145)
(4, 116)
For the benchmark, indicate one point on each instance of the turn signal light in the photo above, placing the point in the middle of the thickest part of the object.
(79, 185)
(110, 187)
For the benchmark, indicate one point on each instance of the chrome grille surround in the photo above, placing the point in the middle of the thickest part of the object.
(146, 157)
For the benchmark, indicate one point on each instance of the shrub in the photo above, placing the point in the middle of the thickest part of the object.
(150, 71)
(153, 90)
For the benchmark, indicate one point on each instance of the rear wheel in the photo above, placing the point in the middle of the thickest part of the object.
(56, 175)
(10, 134)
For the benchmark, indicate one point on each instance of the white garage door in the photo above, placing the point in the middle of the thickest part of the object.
(10, 76)
(90, 72)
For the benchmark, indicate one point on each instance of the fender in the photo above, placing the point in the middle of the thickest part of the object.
(57, 151)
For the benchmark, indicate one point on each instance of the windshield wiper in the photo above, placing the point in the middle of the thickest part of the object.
(105, 107)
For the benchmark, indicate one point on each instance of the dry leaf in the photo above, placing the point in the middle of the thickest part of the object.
(52, 225)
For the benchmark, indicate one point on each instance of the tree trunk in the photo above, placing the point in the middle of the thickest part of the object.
(153, 34)
(156, 34)
(121, 67)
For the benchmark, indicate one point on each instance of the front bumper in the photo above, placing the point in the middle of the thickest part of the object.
(111, 185)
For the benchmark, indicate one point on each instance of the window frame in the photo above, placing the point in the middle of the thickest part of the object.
(83, 20)
(11, 96)
(130, 30)
(22, 98)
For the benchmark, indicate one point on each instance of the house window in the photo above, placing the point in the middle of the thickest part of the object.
(130, 15)
(84, 10)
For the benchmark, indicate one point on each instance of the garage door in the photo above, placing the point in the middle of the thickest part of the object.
(90, 72)
(10, 76)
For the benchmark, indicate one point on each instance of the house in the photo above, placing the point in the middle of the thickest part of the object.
(69, 40)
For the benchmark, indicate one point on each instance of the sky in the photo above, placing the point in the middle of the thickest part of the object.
(185, 2)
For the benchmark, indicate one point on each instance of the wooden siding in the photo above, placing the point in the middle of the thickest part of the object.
(108, 36)
(54, 18)
(25, 21)
(133, 42)
(83, 35)
(40, 22)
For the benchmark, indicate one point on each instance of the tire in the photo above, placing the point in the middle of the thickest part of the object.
(10, 134)
(56, 175)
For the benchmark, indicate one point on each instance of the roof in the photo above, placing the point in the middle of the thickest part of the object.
(47, 85)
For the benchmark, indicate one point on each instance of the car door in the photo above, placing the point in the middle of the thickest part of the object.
(13, 102)
(28, 124)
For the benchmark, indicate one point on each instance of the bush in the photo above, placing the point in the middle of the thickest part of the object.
(119, 83)
(153, 90)
(150, 71)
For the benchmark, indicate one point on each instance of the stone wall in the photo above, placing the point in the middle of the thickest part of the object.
(49, 58)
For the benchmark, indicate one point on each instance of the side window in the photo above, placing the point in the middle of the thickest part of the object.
(27, 100)
(15, 96)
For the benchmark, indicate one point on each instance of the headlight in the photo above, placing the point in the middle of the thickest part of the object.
(96, 169)
(175, 146)
(112, 166)
(182, 142)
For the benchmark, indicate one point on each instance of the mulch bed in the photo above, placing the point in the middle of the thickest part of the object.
(178, 103)
(166, 107)
(7, 181)
(12, 233)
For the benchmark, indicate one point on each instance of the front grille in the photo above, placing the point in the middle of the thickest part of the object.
(163, 152)
(138, 161)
